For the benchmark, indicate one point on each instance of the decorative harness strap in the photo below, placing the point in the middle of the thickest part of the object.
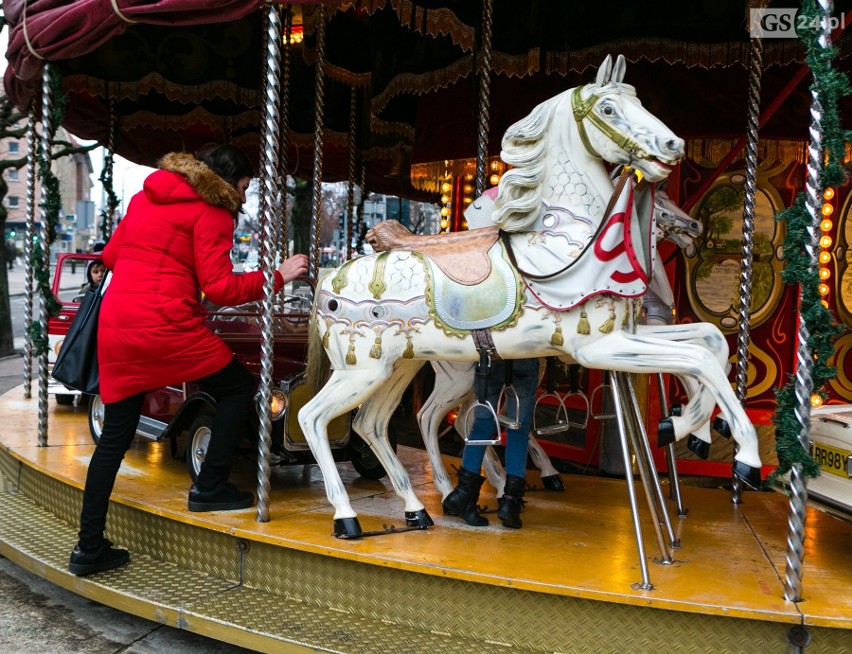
(619, 187)
(583, 111)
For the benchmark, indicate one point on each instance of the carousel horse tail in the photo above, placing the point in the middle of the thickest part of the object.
(318, 364)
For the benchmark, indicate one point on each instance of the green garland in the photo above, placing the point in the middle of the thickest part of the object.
(800, 271)
(108, 212)
(52, 203)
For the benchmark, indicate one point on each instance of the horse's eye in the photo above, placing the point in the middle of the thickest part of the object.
(607, 110)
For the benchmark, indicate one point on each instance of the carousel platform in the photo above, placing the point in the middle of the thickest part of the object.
(566, 582)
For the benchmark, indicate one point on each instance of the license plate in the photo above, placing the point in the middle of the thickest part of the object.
(831, 459)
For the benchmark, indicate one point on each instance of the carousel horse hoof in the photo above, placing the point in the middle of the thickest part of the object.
(553, 483)
(676, 410)
(747, 474)
(698, 447)
(722, 427)
(418, 519)
(347, 528)
(665, 432)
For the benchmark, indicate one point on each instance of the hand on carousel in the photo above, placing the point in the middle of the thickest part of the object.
(293, 267)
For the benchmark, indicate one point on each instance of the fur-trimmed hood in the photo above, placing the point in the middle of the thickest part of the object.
(198, 181)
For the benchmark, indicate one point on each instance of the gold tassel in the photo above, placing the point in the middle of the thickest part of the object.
(624, 320)
(376, 350)
(325, 338)
(351, 360)
(609, 324)
(408, 353)
(583, 327)
(557, 339)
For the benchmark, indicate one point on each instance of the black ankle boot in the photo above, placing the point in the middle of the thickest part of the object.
(512, 502)
(462, 501)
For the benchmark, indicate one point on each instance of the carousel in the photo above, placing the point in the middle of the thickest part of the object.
(608, 191)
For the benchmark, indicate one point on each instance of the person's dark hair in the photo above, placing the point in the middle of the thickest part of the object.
(227, 161)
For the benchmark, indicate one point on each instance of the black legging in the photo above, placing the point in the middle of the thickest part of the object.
(233, 387)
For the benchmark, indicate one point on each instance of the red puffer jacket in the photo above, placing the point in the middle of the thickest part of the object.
(173, 243)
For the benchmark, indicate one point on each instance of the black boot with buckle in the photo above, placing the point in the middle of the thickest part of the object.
(512, 502)
(462, 501)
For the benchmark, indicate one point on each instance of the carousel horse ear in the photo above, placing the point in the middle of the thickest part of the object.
(619, 69)
(604, 71)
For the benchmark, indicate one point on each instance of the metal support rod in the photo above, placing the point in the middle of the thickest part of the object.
(747, 257)
(484, 97)
(353, 170)
(44, 317)
(282, 241)
(29, 233)
(272, 85)
(804, 382)
(671, 457)
(319, 102)
(650, 478)
(631, 489)
(112, 198)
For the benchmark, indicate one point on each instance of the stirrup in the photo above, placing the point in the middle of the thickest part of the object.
(603, 388)
(482, 441)
(507, 394)
(560, 424)
(587, 413)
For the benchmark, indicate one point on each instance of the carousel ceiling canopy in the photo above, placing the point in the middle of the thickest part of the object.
(175, 74)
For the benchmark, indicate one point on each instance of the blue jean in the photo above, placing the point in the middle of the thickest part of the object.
(525, 381)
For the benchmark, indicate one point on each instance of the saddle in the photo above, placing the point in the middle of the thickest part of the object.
(461, 256)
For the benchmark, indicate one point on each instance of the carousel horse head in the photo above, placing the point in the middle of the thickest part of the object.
(603, 121)
(673, 223)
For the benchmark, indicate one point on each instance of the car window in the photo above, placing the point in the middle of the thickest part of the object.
(72, 276)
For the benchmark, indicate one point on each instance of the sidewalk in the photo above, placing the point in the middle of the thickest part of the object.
(18, 280)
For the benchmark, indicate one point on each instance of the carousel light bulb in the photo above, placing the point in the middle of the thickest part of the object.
(464, 224)
(825, 242)
(824, 273)
(445, 211)
(445, 199)
(827, 209)
(468, 188)
(445, 223)
(446, 188)
(823, 289)
(824, 257)
(495, 165)
(826, 225)
(494, 179)
(816, 400)
(824, 303)
(828, 194)
(468, 199)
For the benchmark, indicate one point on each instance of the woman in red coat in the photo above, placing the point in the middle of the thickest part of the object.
(173, 243)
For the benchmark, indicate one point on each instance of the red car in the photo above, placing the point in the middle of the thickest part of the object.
(183, 414)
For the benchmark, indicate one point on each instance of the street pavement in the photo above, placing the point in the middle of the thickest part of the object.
(37, 616)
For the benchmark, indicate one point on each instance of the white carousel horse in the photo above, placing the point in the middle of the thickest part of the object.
(379, 317)
(454, 381)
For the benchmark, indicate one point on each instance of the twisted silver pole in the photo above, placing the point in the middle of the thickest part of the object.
(353, 170)
(263, 199)
(46, 108)
(804, 356)
(313, 261)
(484, 98)
(29, 233)
(281, 240)
(269, 159)
(755, 70)
(112, 198)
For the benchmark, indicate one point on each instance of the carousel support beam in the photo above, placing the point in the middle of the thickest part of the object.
(353, 168)
(484, 98)
(44, 316)
(29, 232)
(107, 175)
(319, 103)
(755, 70)
(770, 110)
(269, 174)
(804, 355)
(281, 237)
